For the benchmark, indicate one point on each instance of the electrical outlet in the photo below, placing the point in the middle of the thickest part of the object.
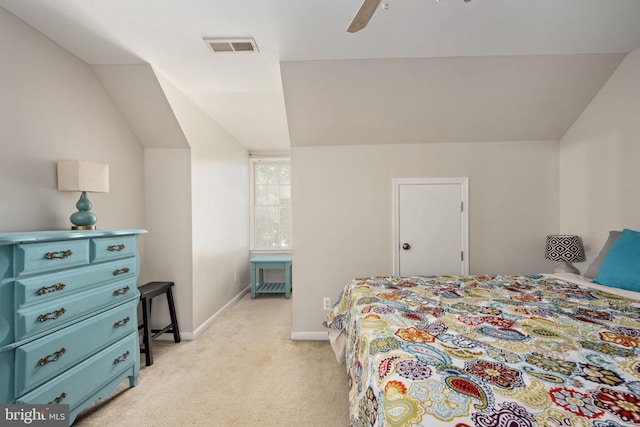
(326, 303)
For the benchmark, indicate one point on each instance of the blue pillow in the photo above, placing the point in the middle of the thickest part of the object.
(621, 266)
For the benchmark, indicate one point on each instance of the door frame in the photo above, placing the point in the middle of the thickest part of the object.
(464, 196)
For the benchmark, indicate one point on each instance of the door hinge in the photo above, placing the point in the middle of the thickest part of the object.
(461, 255)
(461, 206)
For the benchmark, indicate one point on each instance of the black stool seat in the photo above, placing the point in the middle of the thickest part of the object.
(147, 293)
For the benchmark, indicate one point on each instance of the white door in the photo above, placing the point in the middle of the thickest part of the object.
(431, 226)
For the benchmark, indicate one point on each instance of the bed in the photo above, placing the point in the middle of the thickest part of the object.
(489, 351)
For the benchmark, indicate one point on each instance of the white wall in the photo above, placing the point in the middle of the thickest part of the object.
(342, 211)
(219, 209)
(136, 92)
(599, 158)
(52, 106)
(168, 254)
(412, 100)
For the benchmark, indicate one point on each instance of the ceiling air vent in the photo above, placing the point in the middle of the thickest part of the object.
(219, 46)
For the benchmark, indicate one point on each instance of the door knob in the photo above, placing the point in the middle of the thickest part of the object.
(406, 246)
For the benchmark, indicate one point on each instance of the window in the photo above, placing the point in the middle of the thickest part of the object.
(271, 204)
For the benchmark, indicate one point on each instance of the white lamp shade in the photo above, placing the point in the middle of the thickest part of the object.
(79, 175)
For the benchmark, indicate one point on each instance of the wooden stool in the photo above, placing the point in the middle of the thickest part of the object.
(147, 293)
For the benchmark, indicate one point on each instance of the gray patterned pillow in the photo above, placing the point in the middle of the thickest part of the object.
(592, 271)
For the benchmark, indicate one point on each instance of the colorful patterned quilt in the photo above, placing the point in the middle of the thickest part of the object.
(489, 351)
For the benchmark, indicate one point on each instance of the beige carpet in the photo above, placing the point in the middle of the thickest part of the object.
(243, 371)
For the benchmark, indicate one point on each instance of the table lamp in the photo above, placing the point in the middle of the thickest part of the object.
(86, 177)
(565, 248)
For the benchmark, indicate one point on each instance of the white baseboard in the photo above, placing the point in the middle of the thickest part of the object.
(190, 336)
(203, 327)
(309, 336)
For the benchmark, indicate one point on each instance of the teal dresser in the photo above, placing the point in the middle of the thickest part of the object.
(68, 316)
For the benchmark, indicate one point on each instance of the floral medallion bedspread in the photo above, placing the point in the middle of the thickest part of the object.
(489, 351)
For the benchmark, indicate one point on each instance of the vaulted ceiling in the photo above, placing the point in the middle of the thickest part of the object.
(421, 71)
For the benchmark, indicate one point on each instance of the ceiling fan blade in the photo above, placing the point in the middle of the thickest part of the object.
(363, 16)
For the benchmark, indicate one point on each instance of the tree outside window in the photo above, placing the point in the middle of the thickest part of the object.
(271, 199)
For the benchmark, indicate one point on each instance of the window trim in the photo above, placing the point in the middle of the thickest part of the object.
(252, 213)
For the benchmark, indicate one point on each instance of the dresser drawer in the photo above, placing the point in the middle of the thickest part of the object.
(73, 386)
(108, 248)
(42, 288)
(50, 256)
(31, 320)
(47, 357)
(7, 359)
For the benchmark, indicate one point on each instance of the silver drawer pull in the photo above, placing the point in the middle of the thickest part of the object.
(121, 358)
(121, 291)
(52, 357)
(52, 288)
(59, 399)
(59, 254)
(121, 271)
(52, 315)
(122, 322)
(115, 248)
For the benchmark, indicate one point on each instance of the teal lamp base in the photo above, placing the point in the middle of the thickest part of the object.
(84, 219)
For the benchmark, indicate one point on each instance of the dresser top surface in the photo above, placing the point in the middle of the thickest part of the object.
(48, 236)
